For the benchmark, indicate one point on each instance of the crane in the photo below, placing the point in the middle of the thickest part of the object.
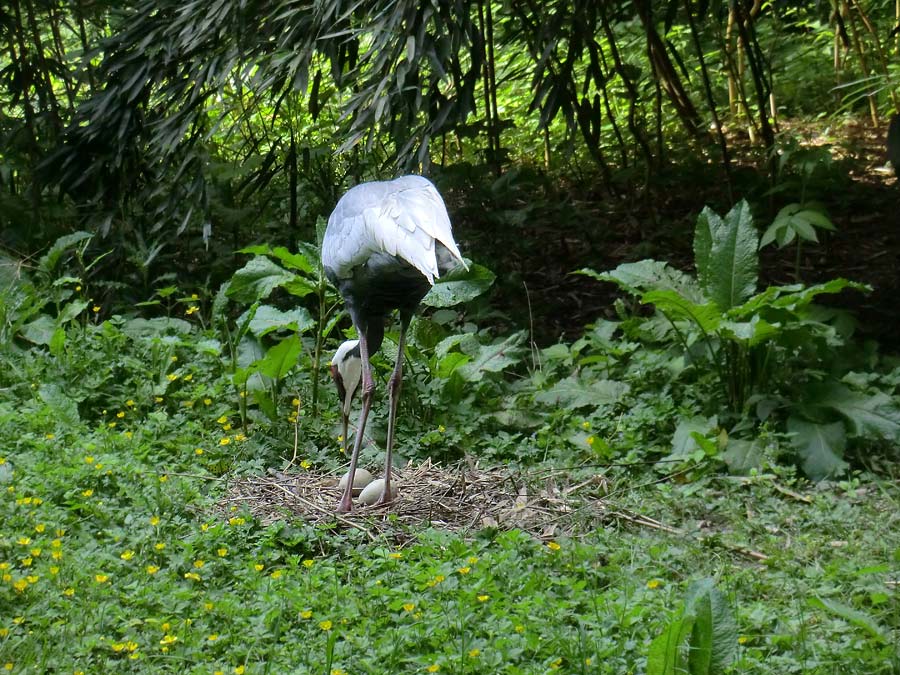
(385, 244)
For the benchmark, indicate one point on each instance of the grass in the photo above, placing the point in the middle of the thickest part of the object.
(119, 553)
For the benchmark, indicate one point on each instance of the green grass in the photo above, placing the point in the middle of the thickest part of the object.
(121, 554)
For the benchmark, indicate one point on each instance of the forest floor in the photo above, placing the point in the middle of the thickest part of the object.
(555, 231)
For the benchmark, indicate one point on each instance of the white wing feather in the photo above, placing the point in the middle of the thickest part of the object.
(403, 217)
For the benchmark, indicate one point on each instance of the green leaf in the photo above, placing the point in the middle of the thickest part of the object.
(267, 319)
(51, 258)
(296, 261)
(714, 636)
(256, 279)
(71, 310)
(490, 358)
(279, 360)
(742, 456)
(725, 253)
(853, 616)
(577, 392)
(649, 275)
(459, 285)
(707, 317)
(819, 446)
(684, 443)
(39, 331)
(868, 415)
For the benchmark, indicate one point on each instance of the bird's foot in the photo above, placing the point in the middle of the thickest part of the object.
(345, 505)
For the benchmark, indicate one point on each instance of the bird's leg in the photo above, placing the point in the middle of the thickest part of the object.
(368, 388)
(394, 397)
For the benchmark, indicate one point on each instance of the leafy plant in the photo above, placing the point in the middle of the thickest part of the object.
(768, 349)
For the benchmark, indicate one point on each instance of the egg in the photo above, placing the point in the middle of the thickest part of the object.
(373, 491)
(361, 479)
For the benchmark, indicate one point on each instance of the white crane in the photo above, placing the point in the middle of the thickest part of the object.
(386, 243)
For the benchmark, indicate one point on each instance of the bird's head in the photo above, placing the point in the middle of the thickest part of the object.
(346, 369)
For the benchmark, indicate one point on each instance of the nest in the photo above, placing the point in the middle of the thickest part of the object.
(462, 498)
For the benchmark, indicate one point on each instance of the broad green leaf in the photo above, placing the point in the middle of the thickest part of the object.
(256, 279)
(684, 442)
(868, 415)
(714, 635)
(491, 358)
(40, 331)
(157, 326)
(579, 392)
(707, 317)
(65, 408)
(279, 360)
(666, 655)
(71, 310)
(51, 258)
(459, 285)
(856, 617)
(802, 297)
(819, 446)
(267, 319)
(742, 456)
(752, 332)
(300, 287)
(649, 275)
(725, 252)
(295, 261)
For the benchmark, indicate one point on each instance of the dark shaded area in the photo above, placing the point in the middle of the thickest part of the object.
(536, 234)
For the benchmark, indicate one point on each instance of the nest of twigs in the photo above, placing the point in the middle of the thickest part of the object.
(462, 498)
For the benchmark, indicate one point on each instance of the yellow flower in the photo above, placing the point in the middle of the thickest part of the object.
(154, 520)
(129, 403)
(165, 627)
(212, 638)
(54, 570)
(208, 606)
(152, 569)
(174, 359)
(585, 425)
(127, 555)
(309, 563)
(56, 543)
(101, 578)
(441, 428)
(4, 632)
(207, 401)
(306, 614)
(222, 552)
(188, 378)
(590, 440)
(163, 478)
(473, 653)
(87, 493)
(472, 559)
(553, 546)
(464, 570)
(23, 541)
(190, 310)
(89, 459)
(199, 563)
(198, 451)
(237, 520)
(159, 546)
(56, 555)
(120, 414)
(36, 552)
(654, 583)
(239, 670)
(26, 562)
(222, 420)
(168, 639)
(259, 567)
(520, 628)
(305, 464)
(433, 668)
(194, 296)
(192, 575)
(224, 441)
(409, 607)
(8, 665)
(158, 399)
(172, 377)
(483, 598)
(743, 639)
(20, 585)
(325, 625)
(556, 664)
(96, 308)
(277, 574)
(69, 592)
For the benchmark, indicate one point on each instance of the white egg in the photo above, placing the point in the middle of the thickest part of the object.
(373, 491)
(360, 480)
